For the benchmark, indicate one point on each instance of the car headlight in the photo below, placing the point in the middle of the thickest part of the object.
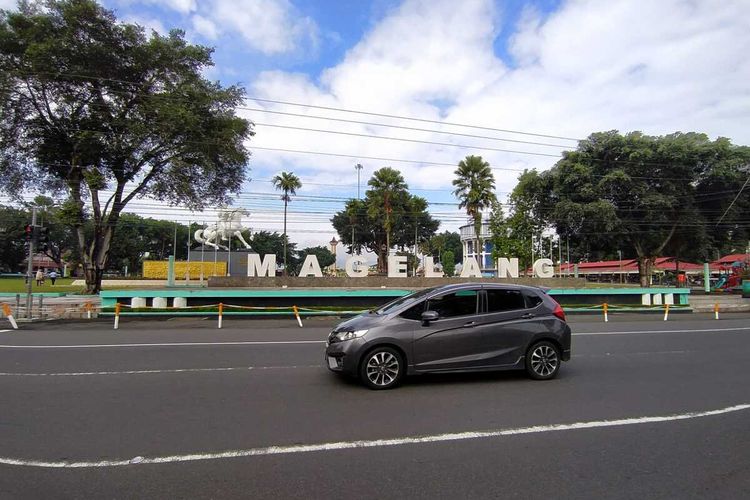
(350, 335)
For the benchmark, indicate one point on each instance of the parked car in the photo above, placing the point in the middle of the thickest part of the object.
(452, 328)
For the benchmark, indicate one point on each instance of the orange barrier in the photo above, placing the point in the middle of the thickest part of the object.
(7, 312)
(117, 315)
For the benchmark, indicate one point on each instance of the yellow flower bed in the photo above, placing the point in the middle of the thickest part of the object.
(157, 269)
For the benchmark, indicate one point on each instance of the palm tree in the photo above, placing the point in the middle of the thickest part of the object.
(289, 184)
(388, 186)
(475, 186)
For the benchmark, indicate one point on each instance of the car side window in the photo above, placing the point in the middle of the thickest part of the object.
(414, 312)
(532, 300)
(499, 300)
(461, 303)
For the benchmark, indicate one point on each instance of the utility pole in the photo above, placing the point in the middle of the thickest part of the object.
(30, 266)
(174, 245)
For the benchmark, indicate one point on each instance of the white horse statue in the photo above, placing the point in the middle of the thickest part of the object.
(228, 225)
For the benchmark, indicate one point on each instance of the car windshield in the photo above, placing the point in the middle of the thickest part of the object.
(402, 301)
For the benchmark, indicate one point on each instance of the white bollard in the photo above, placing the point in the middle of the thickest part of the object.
(666, 312)
(159, 303)
(221, 313)
(296, 313)
(179, 302)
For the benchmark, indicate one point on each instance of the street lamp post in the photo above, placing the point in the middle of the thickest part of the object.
(358, 167)
(619, 256)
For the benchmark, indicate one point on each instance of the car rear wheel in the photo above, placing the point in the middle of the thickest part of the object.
(382, 368)
(543, 361)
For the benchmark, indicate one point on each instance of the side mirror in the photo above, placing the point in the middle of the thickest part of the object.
(428, 316)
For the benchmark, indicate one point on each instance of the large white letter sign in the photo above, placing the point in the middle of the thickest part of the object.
(397, 266)
(544, 268)
(310, 267)
(471, 269)
(256, 268)
(429, 269)
(507, 268)
(361, 267)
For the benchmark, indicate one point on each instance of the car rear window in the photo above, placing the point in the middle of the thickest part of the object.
(504, 300)
(532, 300)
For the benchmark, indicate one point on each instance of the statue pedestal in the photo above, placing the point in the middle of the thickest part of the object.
(237, 259)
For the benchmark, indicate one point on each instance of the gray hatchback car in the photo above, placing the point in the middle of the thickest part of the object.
(452, 328)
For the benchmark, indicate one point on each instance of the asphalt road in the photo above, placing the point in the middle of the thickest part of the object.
(179, 409)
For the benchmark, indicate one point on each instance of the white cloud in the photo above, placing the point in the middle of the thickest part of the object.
(628, 65)
(205, 27)
(273, 27)
(8, 4)
(269, 26)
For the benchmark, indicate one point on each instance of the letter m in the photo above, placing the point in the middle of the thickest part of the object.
(257, 268)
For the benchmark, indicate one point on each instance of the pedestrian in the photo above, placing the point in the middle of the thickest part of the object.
(53, 277)
(39, 277)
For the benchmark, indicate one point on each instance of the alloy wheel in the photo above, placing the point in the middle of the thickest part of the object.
(382, 368)
(544, 360)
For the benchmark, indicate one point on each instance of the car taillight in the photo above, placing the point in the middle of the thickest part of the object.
(559, 312)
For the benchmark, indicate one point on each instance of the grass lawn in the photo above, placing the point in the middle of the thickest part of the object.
(18, 285)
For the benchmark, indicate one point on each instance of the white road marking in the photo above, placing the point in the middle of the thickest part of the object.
(345, 445)
(165, 344)
(739, 328)
(150, 372)
(4, 331)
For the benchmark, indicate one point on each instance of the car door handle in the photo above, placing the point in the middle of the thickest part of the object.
(470, 324)
(527, 316)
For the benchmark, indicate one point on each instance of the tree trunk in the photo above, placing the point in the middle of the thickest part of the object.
(644, 270)
(93, 278)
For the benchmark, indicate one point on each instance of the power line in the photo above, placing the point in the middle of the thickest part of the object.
(735, 199)
(416, 129)
(329, 108)
(402, 139)
(401, 117)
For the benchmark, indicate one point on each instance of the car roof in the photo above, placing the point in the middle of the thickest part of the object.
(500, 286)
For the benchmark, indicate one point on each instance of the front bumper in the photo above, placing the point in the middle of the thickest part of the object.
(343, 357)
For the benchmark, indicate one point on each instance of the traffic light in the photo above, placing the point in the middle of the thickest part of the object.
(43, 239)
(40, 236)
(29, 232)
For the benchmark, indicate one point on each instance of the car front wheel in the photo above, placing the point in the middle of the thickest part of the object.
(382, 368)
(543, 361)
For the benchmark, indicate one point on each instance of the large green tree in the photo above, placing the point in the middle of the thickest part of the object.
(288, 183)
(387, 190)
(387, 217)
(267, 242)
(475, 190)
(98, 111)
(648, 195)
(13, 249)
